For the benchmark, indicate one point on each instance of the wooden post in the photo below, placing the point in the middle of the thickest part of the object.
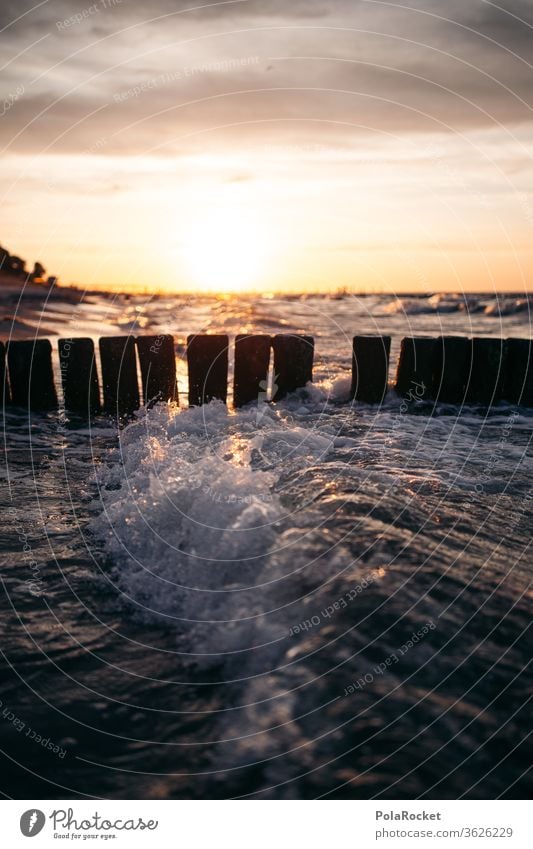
(453, 356)
(207, 360)
(4, 385)
(158, 368)
(252, 356)
(119, 375)
(487, 372)
(518, 387)
(414, 377)
(78, 376)
(293, 363)
(370, 368)
(30, 374)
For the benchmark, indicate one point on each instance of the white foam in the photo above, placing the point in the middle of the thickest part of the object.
(206, 514)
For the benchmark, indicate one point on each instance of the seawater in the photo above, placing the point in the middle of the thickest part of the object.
(300, 600)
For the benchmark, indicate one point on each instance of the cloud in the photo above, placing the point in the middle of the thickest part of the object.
(359, 66)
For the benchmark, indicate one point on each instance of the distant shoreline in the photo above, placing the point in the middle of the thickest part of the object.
(13, 288)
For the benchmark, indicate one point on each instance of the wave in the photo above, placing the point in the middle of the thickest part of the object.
(195, 520)
(443, 303)
(204, 513)
(507, 306)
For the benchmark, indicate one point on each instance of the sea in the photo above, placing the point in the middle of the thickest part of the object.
(314, 598)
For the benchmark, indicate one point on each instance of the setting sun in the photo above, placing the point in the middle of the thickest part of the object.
(225, 249)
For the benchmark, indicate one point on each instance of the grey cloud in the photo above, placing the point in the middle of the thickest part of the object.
(413, 44)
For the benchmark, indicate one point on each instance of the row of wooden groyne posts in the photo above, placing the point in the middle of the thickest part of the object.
(449, 369)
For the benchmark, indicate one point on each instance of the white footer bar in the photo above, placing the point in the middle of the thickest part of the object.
(267, 825)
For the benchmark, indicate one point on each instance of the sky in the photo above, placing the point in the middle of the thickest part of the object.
(268, 145)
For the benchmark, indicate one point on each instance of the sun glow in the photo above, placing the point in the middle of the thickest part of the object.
(226, 249)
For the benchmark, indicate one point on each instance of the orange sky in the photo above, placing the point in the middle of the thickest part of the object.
(251, 145)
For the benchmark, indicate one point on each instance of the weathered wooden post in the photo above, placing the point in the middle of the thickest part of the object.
(293, 363)
(207, 360)
(518, 386)
(158, 368)
(453, 355)
(414, 377)
(370, 368)
(4, 385)
(252, 357)
(119, 375)
(31, 375)
(79, 379)
(487, 372)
